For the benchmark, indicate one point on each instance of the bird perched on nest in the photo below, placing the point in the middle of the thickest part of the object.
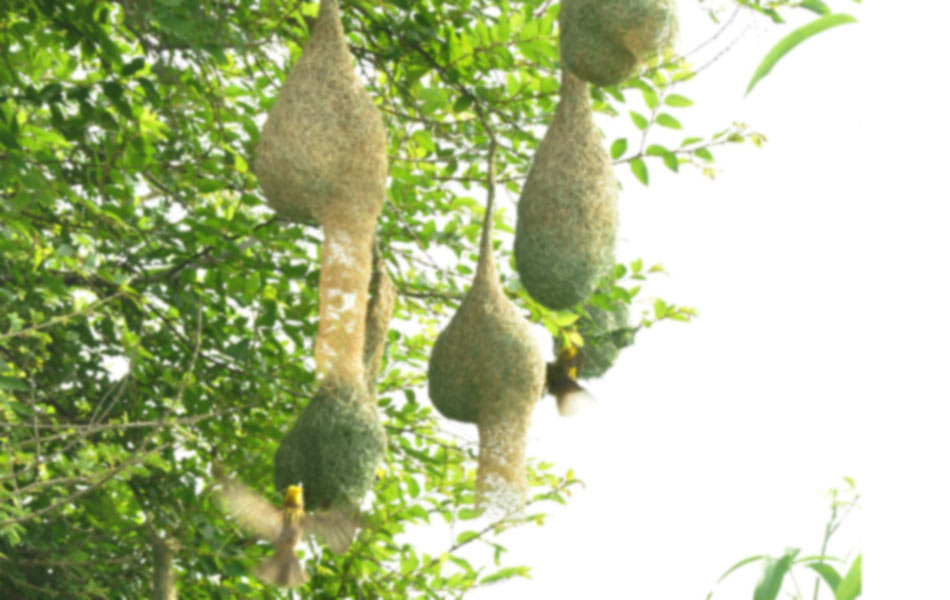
(561, 382)
(285, 527)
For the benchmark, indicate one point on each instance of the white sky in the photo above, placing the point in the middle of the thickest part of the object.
(819, 267)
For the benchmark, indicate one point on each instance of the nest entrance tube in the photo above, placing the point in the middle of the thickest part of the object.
(486, 369)
(346, 270)
(501, 481)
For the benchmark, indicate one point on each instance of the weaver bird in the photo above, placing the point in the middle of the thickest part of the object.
(285, 527)
(561, 382)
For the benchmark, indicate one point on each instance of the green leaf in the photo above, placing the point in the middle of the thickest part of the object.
(828, 573)
(738, 565)
(467, 514)
(133, 66)
(678, 101)
(466, 536)
(8, 139)
(639, 169)
(773, 575)
(790, 41)
(618, 148)
(639, 120)
(649, 94)
(668, 120)
(566, 319)
(412, 486)
(850, 586)
(672, 162)
(816, 6)
(16, 385)
(506, 573)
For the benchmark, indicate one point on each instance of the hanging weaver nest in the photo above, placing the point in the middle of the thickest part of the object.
(322, 155)
(322, 151)
(567, 215)
(486, 369)
(335, 446)
(604, 41)
(333, 449)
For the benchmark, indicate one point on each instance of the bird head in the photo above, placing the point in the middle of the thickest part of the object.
(293, 497)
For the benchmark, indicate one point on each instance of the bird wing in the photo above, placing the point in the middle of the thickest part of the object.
(574, 400)
(251, 510)
(332, 527)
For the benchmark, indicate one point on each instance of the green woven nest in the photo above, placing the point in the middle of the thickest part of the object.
(606, 333)
(486, 368)
(333, 449)
(485, 363)
(322, 151)
(604, 41)
(567, 215)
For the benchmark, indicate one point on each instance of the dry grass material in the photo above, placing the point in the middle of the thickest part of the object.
(322, 151)
(322, 156)
(567, 215)
(486, 368)
(382, 292)
(337, 443)
(604, 41)
(333, 449)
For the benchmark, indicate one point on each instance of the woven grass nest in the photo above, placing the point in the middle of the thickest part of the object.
(337, 442)
(333, 449)
(322, 156)
(322, 152)
(604, 41)
(486, 369)
(567, 215)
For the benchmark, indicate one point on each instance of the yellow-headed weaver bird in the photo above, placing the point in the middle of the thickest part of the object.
(285, 527)
(561, 382)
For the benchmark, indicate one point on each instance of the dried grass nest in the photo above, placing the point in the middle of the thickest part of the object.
(333, 449)
(487, 369)
(567, 214)
(322, 151)
(604, 41)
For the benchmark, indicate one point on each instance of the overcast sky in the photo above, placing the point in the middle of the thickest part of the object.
(819, 267)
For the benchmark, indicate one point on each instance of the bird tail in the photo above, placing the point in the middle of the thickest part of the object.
(573, 399)
(282, 570)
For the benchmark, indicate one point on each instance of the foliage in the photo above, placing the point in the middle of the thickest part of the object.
(777, 572)
(788, 43)
(155, 315)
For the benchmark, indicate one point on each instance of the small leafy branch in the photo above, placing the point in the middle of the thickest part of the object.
(775, 569)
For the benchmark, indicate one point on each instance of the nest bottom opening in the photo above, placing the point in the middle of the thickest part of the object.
(501, 484)
(333, 449)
